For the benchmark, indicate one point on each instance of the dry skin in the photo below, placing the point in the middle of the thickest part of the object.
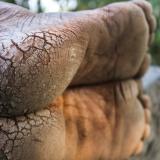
(70, 83)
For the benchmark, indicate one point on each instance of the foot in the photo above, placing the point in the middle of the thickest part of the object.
(107, 122)
(124, 39)
(40, 63)
(106, 46)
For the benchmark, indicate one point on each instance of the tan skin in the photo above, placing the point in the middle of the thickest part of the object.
(71, 83)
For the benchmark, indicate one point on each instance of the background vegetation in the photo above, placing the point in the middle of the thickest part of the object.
(90, 4)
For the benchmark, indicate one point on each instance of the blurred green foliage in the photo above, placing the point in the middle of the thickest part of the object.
(155, 50)
(90, 4)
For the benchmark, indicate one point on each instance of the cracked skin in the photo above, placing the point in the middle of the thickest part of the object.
(70, 83)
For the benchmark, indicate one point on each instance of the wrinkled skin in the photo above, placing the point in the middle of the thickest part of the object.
(70, 83)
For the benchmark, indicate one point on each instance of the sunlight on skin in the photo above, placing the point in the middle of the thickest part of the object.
(53, 6)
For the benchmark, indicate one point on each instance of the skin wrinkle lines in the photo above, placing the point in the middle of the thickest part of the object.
(68, 87)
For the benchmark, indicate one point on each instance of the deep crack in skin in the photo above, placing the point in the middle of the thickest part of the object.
(100, 57)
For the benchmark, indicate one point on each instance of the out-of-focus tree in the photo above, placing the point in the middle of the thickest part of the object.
(10, 1)
(90, 4)
(23, 3)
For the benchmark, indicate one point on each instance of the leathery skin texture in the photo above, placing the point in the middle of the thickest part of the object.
(70, 83)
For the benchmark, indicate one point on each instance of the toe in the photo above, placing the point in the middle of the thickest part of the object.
(147, 132)
(144, 67)
(147, 114)
(139, 148)
(146, 105)
(148, 11)
(146, 101)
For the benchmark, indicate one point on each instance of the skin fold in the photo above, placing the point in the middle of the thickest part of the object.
(88, 123)
(70, 83)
